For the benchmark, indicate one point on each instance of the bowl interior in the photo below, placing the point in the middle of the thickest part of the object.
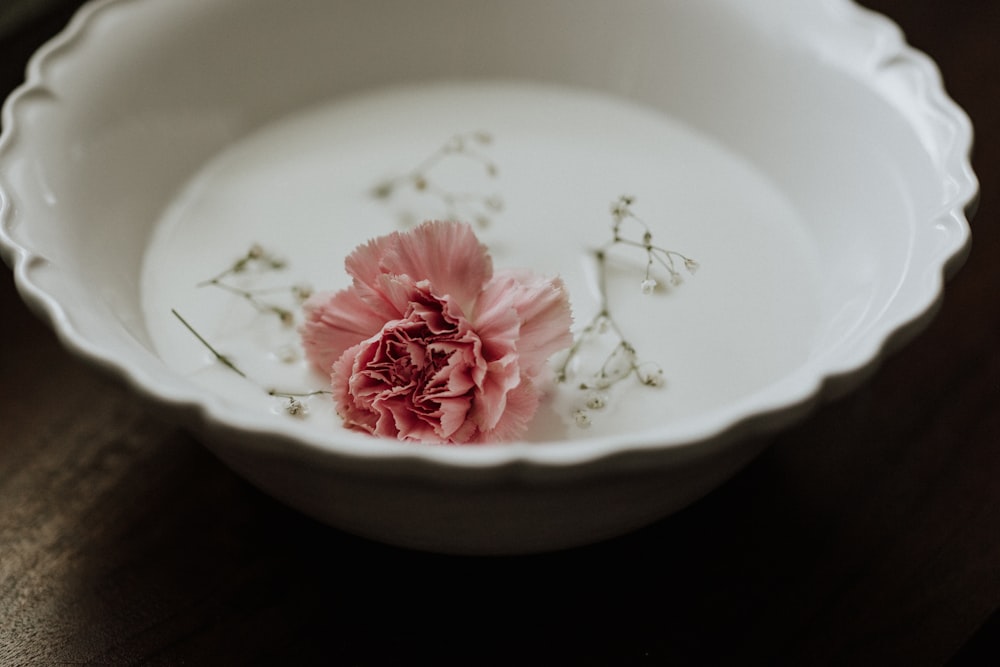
(759, 140)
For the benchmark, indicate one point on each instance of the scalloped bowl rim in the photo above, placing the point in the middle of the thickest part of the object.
(779, 402)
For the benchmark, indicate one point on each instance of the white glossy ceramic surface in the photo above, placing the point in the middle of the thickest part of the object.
(807, 157)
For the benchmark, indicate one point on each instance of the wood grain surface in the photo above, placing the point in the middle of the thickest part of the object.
(867, 535)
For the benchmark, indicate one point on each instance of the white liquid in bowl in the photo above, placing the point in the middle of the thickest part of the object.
(301, 188)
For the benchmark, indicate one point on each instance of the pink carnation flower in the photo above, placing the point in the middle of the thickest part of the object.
(430, 345)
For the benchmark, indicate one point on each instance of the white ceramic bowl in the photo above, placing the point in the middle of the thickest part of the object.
(798, 149)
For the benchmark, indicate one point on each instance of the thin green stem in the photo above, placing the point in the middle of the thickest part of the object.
(218, 355)
(292, 394)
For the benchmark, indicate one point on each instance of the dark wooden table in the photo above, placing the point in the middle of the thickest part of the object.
(869, 534)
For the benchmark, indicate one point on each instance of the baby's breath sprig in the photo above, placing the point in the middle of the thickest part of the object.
(621, 213)
(623, 360)
(458, 205)
(294, 405)
(259, 259)
(619, 364)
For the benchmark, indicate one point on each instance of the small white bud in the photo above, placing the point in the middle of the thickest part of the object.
(648, 286)
(653, 379)
(597, 401)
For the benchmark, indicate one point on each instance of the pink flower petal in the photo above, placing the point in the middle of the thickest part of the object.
(502, 377)
(448, 256)
(452, 416)
(445, 254)
(353, 414)
(522, 403)
(335, 322)
(542, 306)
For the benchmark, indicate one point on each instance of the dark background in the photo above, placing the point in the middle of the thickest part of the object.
(869, 534)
